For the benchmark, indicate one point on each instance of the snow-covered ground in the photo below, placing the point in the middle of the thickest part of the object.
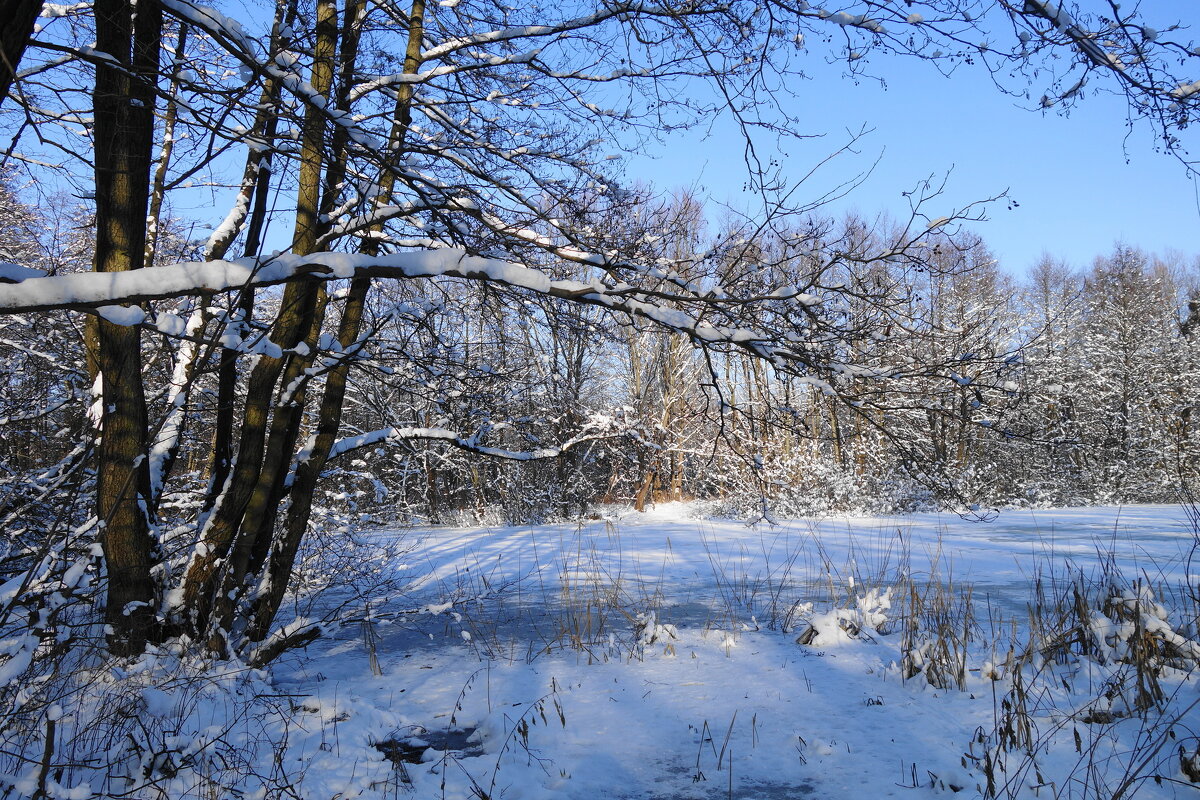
(655, 656)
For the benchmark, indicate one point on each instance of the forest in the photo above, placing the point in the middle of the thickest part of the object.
(275, 274)
(1070, 386)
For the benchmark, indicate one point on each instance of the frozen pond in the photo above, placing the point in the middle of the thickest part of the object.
(511, 584)
(644, 657)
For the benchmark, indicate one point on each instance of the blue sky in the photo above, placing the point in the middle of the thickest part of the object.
(1082, 181)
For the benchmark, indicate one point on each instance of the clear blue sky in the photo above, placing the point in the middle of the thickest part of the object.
(1082, 182)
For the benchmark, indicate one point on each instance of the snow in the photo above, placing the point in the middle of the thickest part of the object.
(19, 653)
(167, 438)
(648, 655)
(659, 655)
(52, 10)
(15, 273)
(112, 287)
(122, 315)
(210, 19)
(1185, 90)
(220, 275)
(470, 443)
(171, 324)
(224, 233)
(108, 289)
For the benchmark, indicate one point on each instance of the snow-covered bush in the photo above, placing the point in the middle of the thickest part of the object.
(1106, 661)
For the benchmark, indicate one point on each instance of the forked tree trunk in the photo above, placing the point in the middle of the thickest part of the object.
(257, 535)
(258, 459)
(299, 320)
(274, 580)
(256, 183)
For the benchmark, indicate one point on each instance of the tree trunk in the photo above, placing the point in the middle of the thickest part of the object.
(124, 129)
(254, 474)
(282, 556)
(256, 182)
(16, 27)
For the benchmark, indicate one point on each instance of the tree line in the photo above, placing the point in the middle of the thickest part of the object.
(1070, 386)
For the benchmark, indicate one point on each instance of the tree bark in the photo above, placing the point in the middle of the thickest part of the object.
(256, 183)
(124, 129)
(282, 555)
(16, 28)
(231, 528)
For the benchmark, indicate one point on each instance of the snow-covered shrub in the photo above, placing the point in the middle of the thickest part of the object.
(868, 616)
(648, 630)
(1105, 659)
(939, 624)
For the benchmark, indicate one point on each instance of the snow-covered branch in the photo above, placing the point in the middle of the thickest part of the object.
(468, 443)
(108, 292)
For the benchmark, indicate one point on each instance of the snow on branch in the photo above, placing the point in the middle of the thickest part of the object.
(1062, 21)
(463, 443)
(108, 291)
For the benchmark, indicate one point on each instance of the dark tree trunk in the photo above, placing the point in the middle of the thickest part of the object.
(282, 554)
(16, 26)
(256, 179)
(124, 129)
(229, 535)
